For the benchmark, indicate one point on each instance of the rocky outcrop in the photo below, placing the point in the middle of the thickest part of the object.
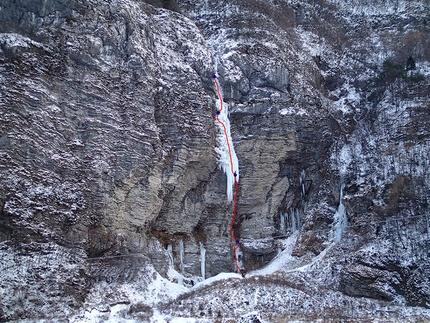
(106, 131)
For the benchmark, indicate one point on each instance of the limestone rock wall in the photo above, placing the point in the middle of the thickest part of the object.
(107, 133)
(326, 114)
(107, 144)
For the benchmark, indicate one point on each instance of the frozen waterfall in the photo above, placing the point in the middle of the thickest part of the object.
(228, 161)
(340, 219)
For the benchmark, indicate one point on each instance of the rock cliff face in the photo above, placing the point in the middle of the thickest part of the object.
(107, 131)
(327, 113)
(109, 161)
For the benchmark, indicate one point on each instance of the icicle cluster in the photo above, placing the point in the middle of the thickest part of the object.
(224, 142)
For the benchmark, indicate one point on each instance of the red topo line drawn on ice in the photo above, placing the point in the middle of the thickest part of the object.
(236, 183)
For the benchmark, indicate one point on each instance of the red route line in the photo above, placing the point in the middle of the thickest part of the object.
(236, 183)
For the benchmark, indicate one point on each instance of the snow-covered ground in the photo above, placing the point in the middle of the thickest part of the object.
(271, 293)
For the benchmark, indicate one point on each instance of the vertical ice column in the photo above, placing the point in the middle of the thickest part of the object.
(294, 225)
(203, 261)
(282, 223)
(302, 184)
(228, 160)
(170, 255)
(181, 255)
(295, 219)
(340, 218)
